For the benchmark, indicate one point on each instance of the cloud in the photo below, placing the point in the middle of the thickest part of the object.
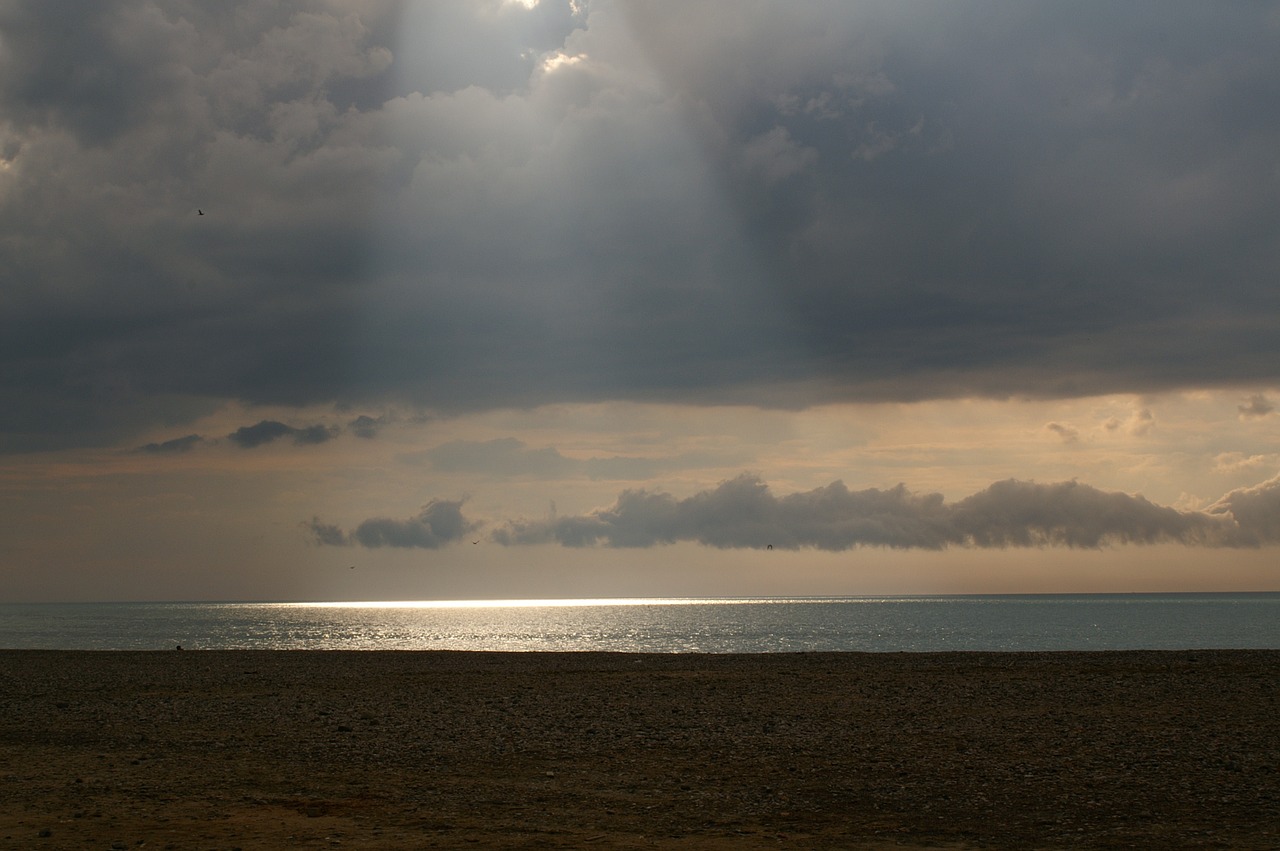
(326, 534)
(1026, 514)
(1141, 423)
(438, 524)
(1068, 434)
(1138, 424)
(1256, 406)
(365, 426)
(744, 513)
(1255, 510)
(405, 204)
(314, 434)
(173, 447)
(268, 431)
(774, 156)
(1234, 462)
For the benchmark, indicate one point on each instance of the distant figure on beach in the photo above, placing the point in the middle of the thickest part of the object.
(769, 547)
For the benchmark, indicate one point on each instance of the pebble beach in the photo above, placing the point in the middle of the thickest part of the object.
(243, 749)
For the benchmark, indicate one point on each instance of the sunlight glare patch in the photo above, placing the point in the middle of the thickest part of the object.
(549, 603)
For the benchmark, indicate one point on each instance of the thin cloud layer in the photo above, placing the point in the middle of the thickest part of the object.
(511, 457)
(743, 513)
(462, 206)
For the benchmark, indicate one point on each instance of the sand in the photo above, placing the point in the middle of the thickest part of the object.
(373, 750)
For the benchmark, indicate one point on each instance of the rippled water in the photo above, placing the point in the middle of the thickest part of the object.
(1033, 622)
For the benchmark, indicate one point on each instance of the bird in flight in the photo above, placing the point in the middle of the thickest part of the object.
(199, 212)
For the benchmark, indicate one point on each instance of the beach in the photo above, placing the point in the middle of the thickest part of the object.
(386, 750)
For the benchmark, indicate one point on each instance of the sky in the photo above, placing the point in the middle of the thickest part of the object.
(486, 299)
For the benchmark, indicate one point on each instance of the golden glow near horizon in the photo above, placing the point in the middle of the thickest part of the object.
(1178, 447)
(176, 522)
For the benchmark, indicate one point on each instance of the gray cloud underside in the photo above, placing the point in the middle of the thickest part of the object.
(439, 523)
(784, 205)
(268, 431)
(744, 513)
(264, 432)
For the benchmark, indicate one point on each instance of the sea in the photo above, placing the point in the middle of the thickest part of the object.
(665, 625)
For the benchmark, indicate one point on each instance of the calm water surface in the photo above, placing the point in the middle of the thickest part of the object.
(1031, 622)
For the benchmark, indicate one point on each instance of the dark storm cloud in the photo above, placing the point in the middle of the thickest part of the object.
(118, 302)
(267, 431)
(744, 513)
(469, 205)
(1002, 199)
(94, 68)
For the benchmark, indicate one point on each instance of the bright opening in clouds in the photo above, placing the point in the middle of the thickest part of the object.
(891, 287)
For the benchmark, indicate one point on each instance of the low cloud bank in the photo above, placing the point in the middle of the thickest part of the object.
(264, 432)
(439, 523)
(508, 456)
(744, 513)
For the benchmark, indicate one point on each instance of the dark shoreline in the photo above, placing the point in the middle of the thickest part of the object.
(406, 749)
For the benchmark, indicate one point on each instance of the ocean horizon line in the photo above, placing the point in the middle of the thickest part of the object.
(1111, 620)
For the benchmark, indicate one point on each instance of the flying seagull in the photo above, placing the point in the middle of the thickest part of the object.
(199, 212)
